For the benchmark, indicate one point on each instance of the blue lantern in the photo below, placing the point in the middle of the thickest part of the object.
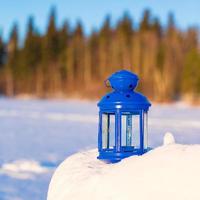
(123, 119)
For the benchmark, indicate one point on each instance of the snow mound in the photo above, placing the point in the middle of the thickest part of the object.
(169, 172)
(23, 169)
(168, 139)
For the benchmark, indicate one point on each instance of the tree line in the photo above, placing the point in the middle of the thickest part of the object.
(67, 62)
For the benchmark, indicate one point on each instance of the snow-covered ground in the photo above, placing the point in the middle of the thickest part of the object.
(37, 135)
(170, 172)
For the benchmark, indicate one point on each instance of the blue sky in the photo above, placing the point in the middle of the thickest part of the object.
(93, 12)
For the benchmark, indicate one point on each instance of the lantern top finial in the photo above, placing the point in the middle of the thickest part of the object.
(123, 80)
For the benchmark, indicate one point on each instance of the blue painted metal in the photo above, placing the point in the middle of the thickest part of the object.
(142, 131)
(122, 100)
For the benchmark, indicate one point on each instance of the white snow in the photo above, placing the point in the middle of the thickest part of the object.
(168, 139)
(48, 131)
(23, 169)
(169, 172)
(50, 116)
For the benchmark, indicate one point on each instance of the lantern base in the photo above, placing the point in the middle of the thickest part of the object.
(114, 157)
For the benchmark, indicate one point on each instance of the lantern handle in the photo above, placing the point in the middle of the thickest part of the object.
(107, 83)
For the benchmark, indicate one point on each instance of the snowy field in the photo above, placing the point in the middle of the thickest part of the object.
(37, 135)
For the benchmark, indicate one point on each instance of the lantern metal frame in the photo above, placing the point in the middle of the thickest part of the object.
(122, 100)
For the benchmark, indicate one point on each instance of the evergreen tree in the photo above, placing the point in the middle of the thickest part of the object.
(78, 46)
(156, 27)
(145, 23)
(51, 46)
(124, 31)
(32, 46)
(31, 56)
(91, 55)
(171, 26)
(93, 49)
(64, 36)
(191, 73)
(13, 47)
(12, 65)
(50, 56)
(104, 41)
(2, 64)
(64, 41)
(2, 52)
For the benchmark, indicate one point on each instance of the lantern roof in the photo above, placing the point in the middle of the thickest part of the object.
(123, 95)
(123, 80)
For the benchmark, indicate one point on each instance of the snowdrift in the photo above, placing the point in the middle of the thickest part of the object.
(169, 172)
(23, 169)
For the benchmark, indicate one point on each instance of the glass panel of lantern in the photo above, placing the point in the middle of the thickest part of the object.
(130, 131)
(108, 131)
